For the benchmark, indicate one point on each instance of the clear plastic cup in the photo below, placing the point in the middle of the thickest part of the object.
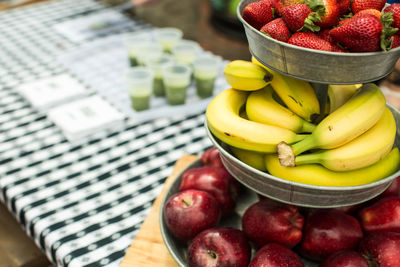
(156, 63)
(168, 37)
(176, 79)
(134, 42)
(186, 51)
(148, 50)
(206, 69)
(140, 85)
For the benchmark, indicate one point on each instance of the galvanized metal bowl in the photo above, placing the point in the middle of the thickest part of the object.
(302, 194)
(314, 65)
(178, 250)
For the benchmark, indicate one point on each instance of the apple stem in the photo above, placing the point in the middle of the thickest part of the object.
(212, 254)
(187, 203)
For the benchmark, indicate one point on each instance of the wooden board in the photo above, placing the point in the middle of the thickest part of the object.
(148, 248)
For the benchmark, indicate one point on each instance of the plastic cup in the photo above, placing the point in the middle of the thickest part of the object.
(134, 42)
(168, 37)
(148, 50)
(176, 79)
(206, 69)
(185, 52)
(156, 63)
(140, 85)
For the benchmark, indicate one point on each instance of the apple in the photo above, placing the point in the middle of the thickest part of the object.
(393, 189)
(383, 215)
(381, 249)
(219, 246)
(345, 258)
(216, 181)
(328, 231)
(273, 254)
(270, 221)
(189, 212)
(211, 157)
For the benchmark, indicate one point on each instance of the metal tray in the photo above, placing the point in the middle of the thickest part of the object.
(178, 250)
(314, 65)
(302, 194)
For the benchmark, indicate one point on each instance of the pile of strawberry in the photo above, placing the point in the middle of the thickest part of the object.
(329, 25)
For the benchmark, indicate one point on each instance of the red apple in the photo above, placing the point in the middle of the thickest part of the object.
(381, 249)
(269, 221)
(189, 212)
(383, 215)
(393, 189)
(211, 157)
(219, 247)
(216, 181)
(328, 231)
(273, 254)
(345, 258)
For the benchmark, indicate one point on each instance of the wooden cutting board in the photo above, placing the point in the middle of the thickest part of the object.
(148, 248)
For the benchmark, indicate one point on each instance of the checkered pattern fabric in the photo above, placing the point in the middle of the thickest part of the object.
(82, 204)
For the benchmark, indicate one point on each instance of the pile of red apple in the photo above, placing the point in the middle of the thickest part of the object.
(362, 235)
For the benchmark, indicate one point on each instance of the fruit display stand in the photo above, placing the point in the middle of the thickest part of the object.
(321, 69)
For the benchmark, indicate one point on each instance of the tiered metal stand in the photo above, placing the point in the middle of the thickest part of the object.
(320, 68)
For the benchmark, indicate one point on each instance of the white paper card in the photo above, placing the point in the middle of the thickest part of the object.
(50, 92)
(86, 117)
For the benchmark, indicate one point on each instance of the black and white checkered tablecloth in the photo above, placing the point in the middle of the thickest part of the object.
(82, 204)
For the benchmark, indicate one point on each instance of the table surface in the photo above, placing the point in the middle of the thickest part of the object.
(82, 204)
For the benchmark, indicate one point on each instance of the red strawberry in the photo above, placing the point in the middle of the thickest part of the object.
(324, 34)
(395, 9)
(272, 3)
(277, 29)
(358, 5)
(396, 41)
(298, 16)
(258, 14)
(284, 3)
(370, 11)
(309, 40)
(336, 48)
(344, 6)
(328, 11)
(361, 34)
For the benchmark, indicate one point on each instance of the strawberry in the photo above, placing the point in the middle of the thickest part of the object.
(272, 3)
(361, 34)
(284, 3)
(371, 11)
(395, 41)
(324, 34)
(258, 14)
(309, 40)
(395, 9)
(329, 13)
(299, 16)
(344, 6)
(276, 29)
(358, 5)
(336, 48)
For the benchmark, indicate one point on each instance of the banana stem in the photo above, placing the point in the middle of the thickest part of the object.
(307, 127)
(304, 145)
(307, 159)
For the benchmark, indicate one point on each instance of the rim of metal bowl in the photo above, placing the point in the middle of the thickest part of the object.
(216, 141)
(350, 54)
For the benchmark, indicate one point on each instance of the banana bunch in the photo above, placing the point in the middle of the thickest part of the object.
(269, 125)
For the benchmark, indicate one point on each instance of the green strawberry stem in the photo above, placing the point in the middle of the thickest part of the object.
(317, 6)
(309, 23)
(387, 31)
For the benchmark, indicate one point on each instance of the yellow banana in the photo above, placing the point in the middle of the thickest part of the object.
(224, 122)
(247, 76)
(360, 152)
(339, 94)
(251, 158)
(262, 107)
(298, 95)
(315, 174)
(352, 119)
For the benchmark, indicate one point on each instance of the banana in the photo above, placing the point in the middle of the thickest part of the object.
(360, 152)
(224, 122)
(246, 76)
(262, 107)
(315, 174)
(352, 119)
(251, 158)
(339, 94)
(299, 96)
